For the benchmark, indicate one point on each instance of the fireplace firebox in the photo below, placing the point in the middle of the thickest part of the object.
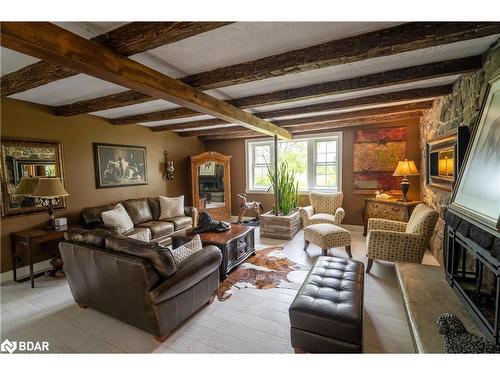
(472, 265)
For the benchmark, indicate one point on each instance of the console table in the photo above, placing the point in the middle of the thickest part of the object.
(236, 244)
(32, 238)
(390, 209)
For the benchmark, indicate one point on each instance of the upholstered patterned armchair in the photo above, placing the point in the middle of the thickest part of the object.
(324, 208)
(397, 241)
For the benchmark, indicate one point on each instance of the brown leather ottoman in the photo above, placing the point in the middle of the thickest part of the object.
(326, 316)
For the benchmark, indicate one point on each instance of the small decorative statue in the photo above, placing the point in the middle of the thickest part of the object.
(208, 224)
(458, 340)
(245, 205)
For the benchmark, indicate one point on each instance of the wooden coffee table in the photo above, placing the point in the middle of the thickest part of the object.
(236, 244)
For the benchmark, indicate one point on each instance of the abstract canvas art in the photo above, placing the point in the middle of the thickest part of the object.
(376, 153)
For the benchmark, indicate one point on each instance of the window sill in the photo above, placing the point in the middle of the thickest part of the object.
(302, 192)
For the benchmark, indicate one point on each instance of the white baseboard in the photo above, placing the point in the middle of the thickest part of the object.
(24, 271)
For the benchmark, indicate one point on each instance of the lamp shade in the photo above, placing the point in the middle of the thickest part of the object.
(26, 186)
(406, 168)
(50, 188)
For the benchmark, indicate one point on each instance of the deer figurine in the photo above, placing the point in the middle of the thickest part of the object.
(245, 205)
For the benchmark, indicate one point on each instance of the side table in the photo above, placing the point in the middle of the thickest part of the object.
(31, 238)
(390, 209)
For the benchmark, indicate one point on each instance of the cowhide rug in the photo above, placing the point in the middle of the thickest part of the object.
(268, 269)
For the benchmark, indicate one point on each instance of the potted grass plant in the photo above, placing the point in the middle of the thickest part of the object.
(283, 221)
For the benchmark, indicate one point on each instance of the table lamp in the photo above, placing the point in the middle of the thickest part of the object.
(405, 168)
(48, 191)
(24, 190)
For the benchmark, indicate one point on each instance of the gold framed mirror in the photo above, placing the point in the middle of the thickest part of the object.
(27, 158)
(211, 184)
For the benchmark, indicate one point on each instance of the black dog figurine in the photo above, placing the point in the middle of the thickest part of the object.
(208, 224)
(458, 340)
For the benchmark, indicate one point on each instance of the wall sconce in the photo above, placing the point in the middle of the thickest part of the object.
(169, 167)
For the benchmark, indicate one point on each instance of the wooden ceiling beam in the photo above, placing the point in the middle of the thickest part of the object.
(318, 128)
(315, 121)
(386, 99)
(61, 47)
(371, 81)
(398, 39)
(126, 40)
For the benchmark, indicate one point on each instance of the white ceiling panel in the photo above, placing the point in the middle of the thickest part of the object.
(69, 90)
(10, 61)
(244, 41)
(176, 121)
(136, 109)
(206, 128)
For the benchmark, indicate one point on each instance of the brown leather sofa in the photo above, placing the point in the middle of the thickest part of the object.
(138, 282)
(145, 214)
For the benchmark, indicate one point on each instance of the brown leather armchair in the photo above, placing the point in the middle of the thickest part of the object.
(116, 276)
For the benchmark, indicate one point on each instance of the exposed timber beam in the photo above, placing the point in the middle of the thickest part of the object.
(387, 99)
(376, 80)
(326, 120)
(61, 47)
(126, 40)
(314, 128)
(398, 39)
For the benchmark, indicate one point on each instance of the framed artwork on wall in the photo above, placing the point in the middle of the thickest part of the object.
(477, 193)
(119, 165)
(376, 153)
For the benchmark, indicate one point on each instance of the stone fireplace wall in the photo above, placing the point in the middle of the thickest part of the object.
(459, 108)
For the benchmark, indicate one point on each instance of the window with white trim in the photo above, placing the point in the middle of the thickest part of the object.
(315, 160)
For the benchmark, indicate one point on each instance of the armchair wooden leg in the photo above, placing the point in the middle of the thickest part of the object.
(161, 338)
(306, 244)
(348, 250)
(369, 265)
(82, 306)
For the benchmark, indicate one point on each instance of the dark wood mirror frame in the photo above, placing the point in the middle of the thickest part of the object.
(219, 213)
(7, 209)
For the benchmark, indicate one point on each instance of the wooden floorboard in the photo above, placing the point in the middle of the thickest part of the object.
(250, 321)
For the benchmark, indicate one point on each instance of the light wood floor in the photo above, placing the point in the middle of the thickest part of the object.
(251, 321)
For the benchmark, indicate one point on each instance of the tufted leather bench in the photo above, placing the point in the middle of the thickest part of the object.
(326, 316)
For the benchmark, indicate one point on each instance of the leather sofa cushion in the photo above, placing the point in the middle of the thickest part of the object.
(330, 301)
(189, 273)
(179, 222)
(160, 257)
(92, 215)
(158, 228)
(87, 236)
(138, 210)
(154, 204)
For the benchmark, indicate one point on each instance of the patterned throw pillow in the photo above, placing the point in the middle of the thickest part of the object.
(118, 218)
(171, 207)
(185, 251)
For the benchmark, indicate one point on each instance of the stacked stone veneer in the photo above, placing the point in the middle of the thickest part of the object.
(460, 108)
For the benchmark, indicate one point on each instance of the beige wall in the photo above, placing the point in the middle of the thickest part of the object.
(353, 204)
(77, 133)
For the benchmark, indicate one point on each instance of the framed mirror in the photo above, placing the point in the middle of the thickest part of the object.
(211, 184)
(27, 158)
